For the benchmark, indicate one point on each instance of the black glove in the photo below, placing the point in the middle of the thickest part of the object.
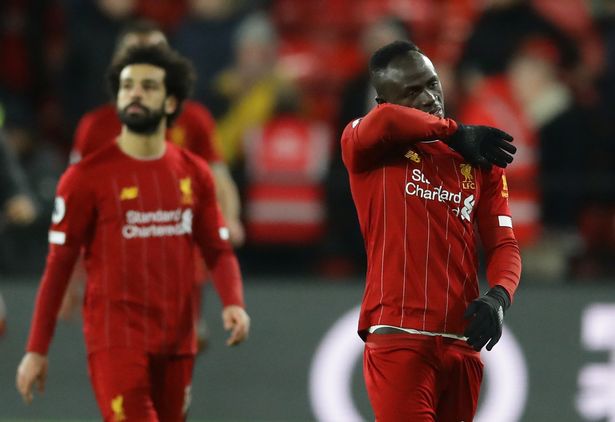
(487, 313)
(483, 146)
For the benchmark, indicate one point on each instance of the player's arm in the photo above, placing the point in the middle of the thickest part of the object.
(230, 204)
(212, 236)
(388, 126)
(366, 141)
(204, 145)
(74, 292)
(71, 222)
(503, 262)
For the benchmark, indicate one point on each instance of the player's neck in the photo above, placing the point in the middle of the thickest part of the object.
(143, 146)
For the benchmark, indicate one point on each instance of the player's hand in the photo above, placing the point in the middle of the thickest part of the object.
(487, 318)
(483, 146)
(32, 370)
(237, 321)
(20, 210)
(237, 235)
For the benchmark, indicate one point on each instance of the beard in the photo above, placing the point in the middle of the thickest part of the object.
(145, 123)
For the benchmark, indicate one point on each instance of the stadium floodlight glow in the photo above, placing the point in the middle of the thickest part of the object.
(331, 371)
(338, 353)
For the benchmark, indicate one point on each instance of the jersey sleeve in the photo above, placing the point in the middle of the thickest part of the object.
(212, 237)
(72, 221)
(202, 126)
(366, 141)
(495, 226)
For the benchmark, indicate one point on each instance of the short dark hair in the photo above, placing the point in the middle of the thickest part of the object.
(179, 73)
(384, 55)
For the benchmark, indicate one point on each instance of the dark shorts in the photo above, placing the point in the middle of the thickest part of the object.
(421, 378)
(131, 385)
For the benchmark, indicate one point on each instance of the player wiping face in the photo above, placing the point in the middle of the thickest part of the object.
(422, 242)
(410, 80)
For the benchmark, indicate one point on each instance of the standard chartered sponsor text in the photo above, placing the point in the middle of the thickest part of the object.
(133, 229)
(158, 216)
(437, 193)
(434, 194)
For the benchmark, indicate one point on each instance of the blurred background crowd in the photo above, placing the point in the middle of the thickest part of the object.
(282, 78)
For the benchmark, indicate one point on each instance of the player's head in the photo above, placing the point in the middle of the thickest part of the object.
(139, 32)
(150, 83)
(402, 74)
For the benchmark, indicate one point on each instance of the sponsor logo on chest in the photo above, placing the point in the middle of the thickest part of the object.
(159, 223)
(421, 187)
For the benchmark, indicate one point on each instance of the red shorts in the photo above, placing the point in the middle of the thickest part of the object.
(421, 378)
(131, 385)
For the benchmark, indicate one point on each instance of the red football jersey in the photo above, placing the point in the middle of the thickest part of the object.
(138, 222)
(417, 203)
(193, 129)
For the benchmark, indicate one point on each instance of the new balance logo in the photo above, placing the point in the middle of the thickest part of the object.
(131, 192)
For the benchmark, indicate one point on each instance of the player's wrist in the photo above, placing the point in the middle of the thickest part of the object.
(500, 294)
(456, 135)
(35, 355)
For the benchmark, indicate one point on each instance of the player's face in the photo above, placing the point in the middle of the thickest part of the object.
(142, 101)
(411, 80)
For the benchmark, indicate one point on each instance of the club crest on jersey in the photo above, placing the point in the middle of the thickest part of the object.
(468, 177)
(413, 155)
(128, 193)
(504, 187)
(185, 187)
(117, 406)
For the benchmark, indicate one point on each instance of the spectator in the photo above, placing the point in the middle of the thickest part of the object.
(24, 248)
(32, 45)
(205, 36)
(499, 32)
(596, 219)
(244, 95)
(16, 205)
(286, 160)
